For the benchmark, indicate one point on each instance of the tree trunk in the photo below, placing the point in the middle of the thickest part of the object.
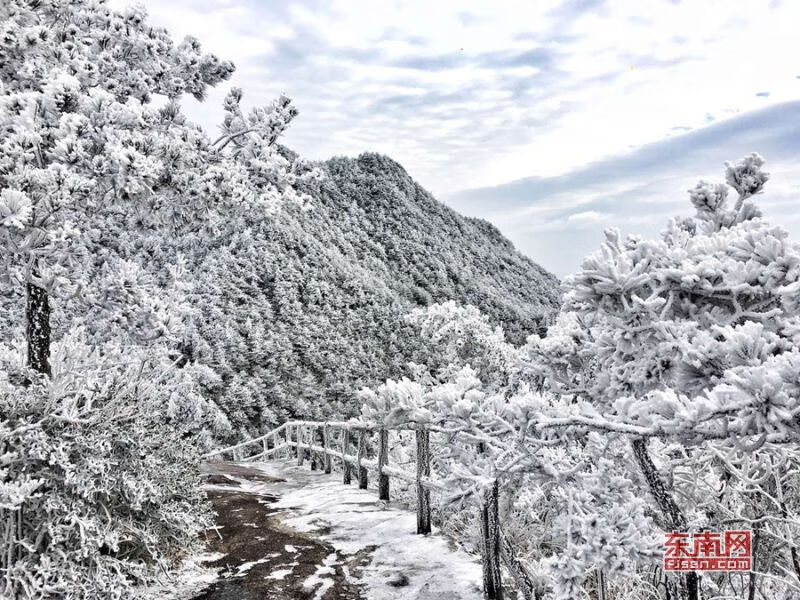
(792, 546)
(752, 580)
(528, 585)
(37, 313)
(675, 519)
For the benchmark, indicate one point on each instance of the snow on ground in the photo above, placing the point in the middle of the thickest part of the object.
(245, 567)
(402, 566)
(192, 577)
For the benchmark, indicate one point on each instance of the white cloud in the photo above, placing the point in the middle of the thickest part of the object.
(501, 89)
(588, 217)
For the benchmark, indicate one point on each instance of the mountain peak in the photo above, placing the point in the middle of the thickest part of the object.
(327, 292)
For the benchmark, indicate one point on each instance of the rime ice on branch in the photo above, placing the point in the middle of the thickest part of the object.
(667, 400)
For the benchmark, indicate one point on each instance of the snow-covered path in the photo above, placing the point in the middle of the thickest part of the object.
(316, 538)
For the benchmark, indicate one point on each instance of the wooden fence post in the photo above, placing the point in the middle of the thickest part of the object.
(319, 435)
(423, 470)
(346, 475)
(301, 453)
(316, 460)
(325, 439)
(383, 460)
(490, 547)
(362, 455)
(265, 443)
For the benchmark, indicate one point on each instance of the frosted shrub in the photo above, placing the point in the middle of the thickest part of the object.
(99, 493)
(688, 347)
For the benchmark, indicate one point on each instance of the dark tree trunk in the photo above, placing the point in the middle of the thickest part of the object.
(528, 584)
(37, 313)
(673, 515)
(795, 561)
(752, 580)
(792, 547)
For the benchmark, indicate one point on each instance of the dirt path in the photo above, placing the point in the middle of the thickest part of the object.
(263, 559)
(287, 532)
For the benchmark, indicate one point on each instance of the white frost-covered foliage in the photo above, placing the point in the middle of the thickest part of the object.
(665, 397)
(691, 342)
(462, 335)
(300, 311)
(695, 334)
(100, 414)
(566, 508)
(97, 496)
(82, 143)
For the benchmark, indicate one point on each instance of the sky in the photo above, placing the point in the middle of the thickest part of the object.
(571, 96)
(560, 219)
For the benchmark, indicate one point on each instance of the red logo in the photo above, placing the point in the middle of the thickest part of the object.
(708, 551)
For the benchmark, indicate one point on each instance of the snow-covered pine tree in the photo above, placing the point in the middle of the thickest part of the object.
(98, 463)
(688, 345)
(83, 142)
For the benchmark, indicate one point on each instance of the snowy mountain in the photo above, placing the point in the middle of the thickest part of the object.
(302, 310)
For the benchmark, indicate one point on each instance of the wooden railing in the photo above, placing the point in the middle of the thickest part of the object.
(319, 440)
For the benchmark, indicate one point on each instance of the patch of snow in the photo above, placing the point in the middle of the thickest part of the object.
(242, 485)
(245, 567)
(279, 574)
(192, 578)
(322, 584)
(208, 557)
(350, 520)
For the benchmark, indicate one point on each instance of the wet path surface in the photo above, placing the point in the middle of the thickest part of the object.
(263, 558)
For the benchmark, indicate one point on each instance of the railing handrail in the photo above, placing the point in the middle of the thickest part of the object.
(349, 425)
(246, 443)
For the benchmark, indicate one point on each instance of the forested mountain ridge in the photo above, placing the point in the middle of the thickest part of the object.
(299, 311)
(428, 252)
